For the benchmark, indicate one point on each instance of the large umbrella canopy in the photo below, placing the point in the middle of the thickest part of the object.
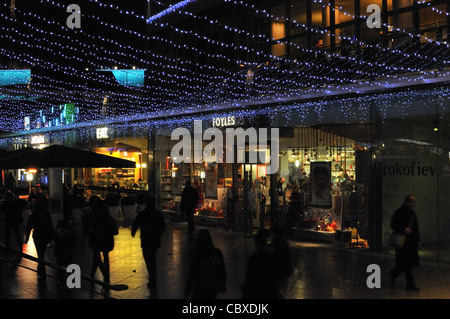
(59, 156)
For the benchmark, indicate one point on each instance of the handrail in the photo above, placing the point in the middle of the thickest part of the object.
(105, 285)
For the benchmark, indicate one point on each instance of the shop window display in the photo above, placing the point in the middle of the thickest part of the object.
(322, 193)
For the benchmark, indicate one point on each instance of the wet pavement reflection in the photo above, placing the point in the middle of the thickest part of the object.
(321, 270)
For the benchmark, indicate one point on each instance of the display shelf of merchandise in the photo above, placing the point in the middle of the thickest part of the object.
(167, 195)
(125, 173)
(316, 235)
(209, 220)
(166, 191)
(211, 212)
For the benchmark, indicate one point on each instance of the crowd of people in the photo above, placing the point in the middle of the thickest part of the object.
(207, 275)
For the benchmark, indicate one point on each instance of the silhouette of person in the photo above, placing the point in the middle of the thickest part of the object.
(279, 187)
(10, 182)
(207, 274)
(13, 220)
(152, 225)
(262, 239)
(261, 277)
(405, 221)
(67, 202)
(283, 257)
(101, 229)
(41, 223)
(189, 201)
(65, 240)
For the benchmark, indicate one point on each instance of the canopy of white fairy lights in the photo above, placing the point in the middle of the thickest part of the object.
(188, 67)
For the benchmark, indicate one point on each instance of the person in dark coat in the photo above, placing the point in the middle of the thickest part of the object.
(283, 256)
(41, 223)
(261, 278)
(405, 221)
(67, 202)
(101, 229)
(13, 219)
(207, 274)
(189, 201)
(65, 240)
(152, 225)
(10, 182)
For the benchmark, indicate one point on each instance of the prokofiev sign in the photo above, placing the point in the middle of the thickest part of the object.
(414, 168)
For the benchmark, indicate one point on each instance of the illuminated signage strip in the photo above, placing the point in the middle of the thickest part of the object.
(224, 121)
(102, 132)
(128, 77)
(13, 77)
(37, 139)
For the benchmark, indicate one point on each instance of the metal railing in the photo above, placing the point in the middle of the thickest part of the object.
(105, 286)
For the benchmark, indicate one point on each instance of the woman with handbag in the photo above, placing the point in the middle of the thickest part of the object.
(404, 221)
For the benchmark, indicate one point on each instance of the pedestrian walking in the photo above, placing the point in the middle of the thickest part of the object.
(262, 239)
(13, 220)
(283, 257)
(10, 182)
(151, 223)
(40, 222)
(65, 240)
(189, 201)
(100, 228)
(261, 279)
(67, 202)
(31, 198)
(207, 274)
(405, 221)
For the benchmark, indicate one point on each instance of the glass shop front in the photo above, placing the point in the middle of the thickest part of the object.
(344, 166)
(316, 191)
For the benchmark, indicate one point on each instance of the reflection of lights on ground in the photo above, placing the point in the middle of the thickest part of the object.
(307, 245)
(29, 248)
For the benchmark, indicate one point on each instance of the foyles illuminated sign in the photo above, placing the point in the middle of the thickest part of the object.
(224, 121)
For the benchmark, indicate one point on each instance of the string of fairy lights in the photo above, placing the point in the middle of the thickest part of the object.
(263, 37)
(236, 30)
(353, 110)
(184, 82)
(412, 70)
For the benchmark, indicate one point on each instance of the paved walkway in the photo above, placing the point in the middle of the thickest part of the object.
(322, 270)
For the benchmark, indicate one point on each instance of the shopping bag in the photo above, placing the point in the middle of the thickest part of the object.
(397, 240)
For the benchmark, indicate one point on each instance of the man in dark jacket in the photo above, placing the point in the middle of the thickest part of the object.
(189, 201)
(13, 219)
(152, 226)
(405, 222)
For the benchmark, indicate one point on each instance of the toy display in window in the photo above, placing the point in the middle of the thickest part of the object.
(199, 190)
